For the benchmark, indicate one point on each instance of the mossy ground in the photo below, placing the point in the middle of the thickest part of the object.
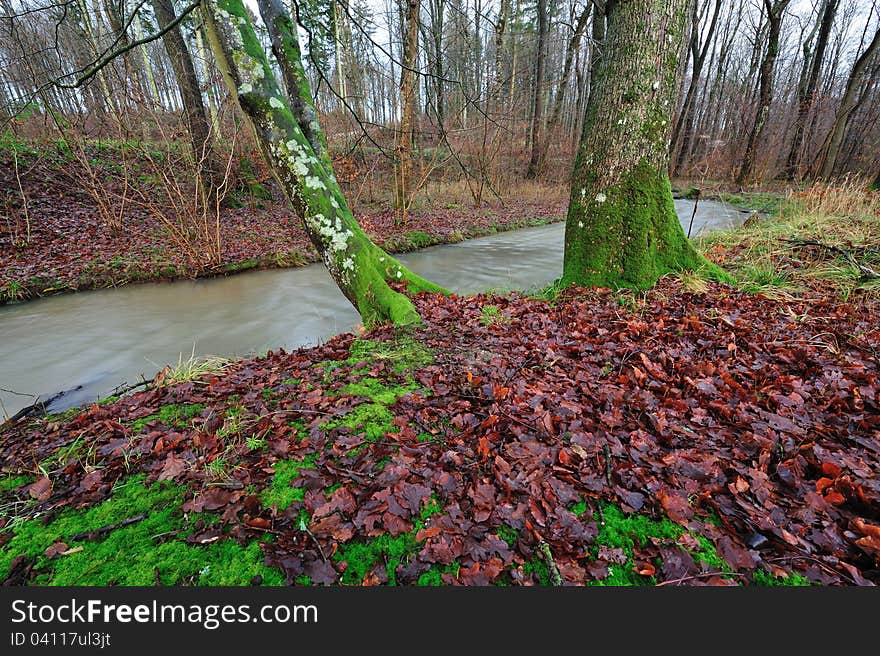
(154, 549)
(150, 551)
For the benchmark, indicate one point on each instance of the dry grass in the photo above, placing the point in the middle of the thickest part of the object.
(765, 256)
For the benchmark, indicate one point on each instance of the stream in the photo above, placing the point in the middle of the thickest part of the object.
(91, 342)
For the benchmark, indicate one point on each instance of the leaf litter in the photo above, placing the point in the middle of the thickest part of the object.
(739, 437)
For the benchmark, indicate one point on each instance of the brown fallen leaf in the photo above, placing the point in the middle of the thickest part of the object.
(41, 489)
(55, 550)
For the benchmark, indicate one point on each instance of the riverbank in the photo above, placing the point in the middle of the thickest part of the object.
(56, 239)
(490, 446)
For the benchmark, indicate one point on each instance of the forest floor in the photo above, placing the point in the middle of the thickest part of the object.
(55, 238)
(694, 434)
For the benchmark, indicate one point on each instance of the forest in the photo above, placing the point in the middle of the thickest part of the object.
(441, 292)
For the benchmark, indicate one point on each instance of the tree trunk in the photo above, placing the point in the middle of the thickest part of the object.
(684, 128)
(408, 88)
(622, 229)
(538, 98)
(597, 39)
(574, 44)
(285, 47)
(831, 147)
(361, 269)
(765, 94)
(191, 95)
(808, 95)
(437, 9)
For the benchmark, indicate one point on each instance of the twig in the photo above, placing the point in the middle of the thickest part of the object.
(867, 272)
(699, 576)
(98, 532)
(606, 451)
(694, 213)
(555, 576)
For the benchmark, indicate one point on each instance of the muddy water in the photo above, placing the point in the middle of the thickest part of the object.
(97, 340)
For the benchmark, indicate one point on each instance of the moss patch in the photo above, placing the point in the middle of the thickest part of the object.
(281, 492)
(9, 483)
(362, 557)
(136, 554)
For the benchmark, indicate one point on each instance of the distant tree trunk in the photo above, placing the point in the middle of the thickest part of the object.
(831, 147)
(137, 28)
(775, 9)
(538, 98)
(622, 229)
(684, 127)
(361, 269)
(191, 95)
(437, 9)
(409, 82)
(574, 44)
(500, 27)
(808, 93)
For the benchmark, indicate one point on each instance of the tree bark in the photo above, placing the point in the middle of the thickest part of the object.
(685, 126)
(622, 229)
(765, 93)
(191, 95)
(808, 93)
(574, 43)
(538, 98)
(408, 90)
(831, 147)
(361, 269)
(285, 47)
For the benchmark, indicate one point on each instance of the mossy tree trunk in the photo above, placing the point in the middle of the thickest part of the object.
(622, 229)
(361, 269)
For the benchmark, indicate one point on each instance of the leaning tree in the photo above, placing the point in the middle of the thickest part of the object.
(290, 140)
(622, 229)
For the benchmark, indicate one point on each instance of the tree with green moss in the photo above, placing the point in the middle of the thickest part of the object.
(622, 229)
(291, 142)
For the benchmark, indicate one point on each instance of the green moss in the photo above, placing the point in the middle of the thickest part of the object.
(507, 533)
(244, 265)
(135, 554)
(760, 577)
(375, 389)
(434, 576)
(9, 483)
(537, 567)
(627, 235)
(404, 352)
(626, 532)
(579, 508)
(173, 415)
(490, 314)
(362, 557)
(281, 492)
(372, 419)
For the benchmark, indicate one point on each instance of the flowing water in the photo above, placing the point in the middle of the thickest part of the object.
(91, 342)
